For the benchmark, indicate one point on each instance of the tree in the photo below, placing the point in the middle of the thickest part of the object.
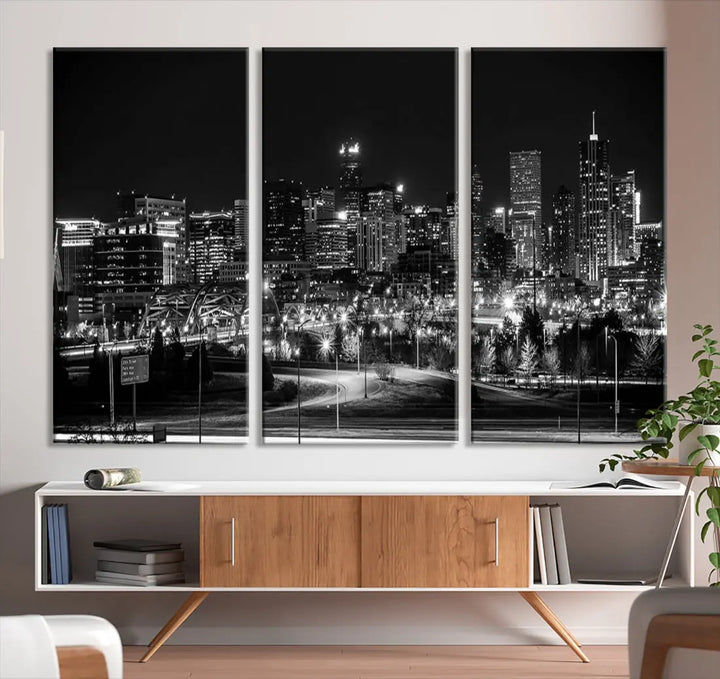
(486, 357)
(507, 361)
(582, 362)
(193, 369)
(268, 379)
(647, 359)
(528, 359)
(532, 326)
(350, 346)
(157, 352)
(551, 363)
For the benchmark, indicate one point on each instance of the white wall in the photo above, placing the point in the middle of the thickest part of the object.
(28, 32)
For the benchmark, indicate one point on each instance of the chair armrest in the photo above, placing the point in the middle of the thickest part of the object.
(700, 632)
(81, 662)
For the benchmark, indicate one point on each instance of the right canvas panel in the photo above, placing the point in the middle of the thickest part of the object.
(568, 243)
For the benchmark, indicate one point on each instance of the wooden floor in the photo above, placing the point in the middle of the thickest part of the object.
(375, 662)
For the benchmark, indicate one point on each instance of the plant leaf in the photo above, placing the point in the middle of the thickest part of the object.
(715, 559)
(714, 515)
(687, 429)
(705, 366)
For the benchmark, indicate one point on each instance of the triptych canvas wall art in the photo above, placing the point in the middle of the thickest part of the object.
(361, 245)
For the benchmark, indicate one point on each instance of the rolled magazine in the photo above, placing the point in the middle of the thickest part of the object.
(101, 479)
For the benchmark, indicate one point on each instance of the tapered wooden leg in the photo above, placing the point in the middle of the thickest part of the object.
(179, 617)
(546, 613)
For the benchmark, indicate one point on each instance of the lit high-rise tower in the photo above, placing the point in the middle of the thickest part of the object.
(622, 217)
(349, 193)
(476, 217)
(561, 244)
(593, 231)
(526, 204)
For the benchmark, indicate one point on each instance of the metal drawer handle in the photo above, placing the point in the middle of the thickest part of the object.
(232, 541)
(497, 541)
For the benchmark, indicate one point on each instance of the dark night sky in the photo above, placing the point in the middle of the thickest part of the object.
(159, 122)
(399, 104)
(529, 99)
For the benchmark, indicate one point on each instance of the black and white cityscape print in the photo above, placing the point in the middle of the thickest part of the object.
(359, 244)
(150, 234)
(568, 243)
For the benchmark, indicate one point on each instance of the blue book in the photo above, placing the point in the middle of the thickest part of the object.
(64, 545)
(52, 545)
(45, 576)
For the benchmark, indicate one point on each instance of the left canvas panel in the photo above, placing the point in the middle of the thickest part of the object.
(150, 241)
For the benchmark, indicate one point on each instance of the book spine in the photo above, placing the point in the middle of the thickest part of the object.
(540, 546)
(54, 545)
(64, 547)
(563, 563)
(145, 558)
(45, 575)
(139, 569)
(549, 545)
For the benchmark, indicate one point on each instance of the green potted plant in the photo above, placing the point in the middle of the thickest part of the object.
(698, 408)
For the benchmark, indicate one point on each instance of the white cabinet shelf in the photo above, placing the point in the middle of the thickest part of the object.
(607, 530)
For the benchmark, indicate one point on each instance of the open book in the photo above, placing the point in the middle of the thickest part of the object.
(626, 482)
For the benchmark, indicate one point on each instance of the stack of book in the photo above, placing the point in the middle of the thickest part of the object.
(142, 563)
(56, 562)
(552, 566)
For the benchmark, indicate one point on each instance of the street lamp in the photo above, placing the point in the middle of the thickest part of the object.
(616, 404)
(200, 347)
(326, 346)
(297, 354)
(417, 348)
(596, 304)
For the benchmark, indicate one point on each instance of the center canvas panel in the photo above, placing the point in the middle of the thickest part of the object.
(359, 245)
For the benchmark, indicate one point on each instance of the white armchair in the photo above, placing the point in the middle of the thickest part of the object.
(675, 634)
(55, 646)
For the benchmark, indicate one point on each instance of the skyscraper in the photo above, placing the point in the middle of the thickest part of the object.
(593, 232)
(210, 244)
(165, 217)
(283, 220)
(449, 237)
(378, 221)
(476, 217)
(622, 217)
(74, 251)
(349, 195)
(561, 244)
(240, 222)
(319, 205)
(526, 205)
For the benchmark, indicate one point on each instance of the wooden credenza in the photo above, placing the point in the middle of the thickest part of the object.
(365, 536)
(368, 541)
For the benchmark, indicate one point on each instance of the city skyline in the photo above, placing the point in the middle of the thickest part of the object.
(366, 94)
(623, 88)
(150, 231)
(568, 289)
(161, 122)
(359, 245)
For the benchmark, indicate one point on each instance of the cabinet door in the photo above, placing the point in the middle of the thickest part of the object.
(282, 541)
(437, 541)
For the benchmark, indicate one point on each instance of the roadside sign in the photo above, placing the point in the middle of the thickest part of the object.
(134, 369)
